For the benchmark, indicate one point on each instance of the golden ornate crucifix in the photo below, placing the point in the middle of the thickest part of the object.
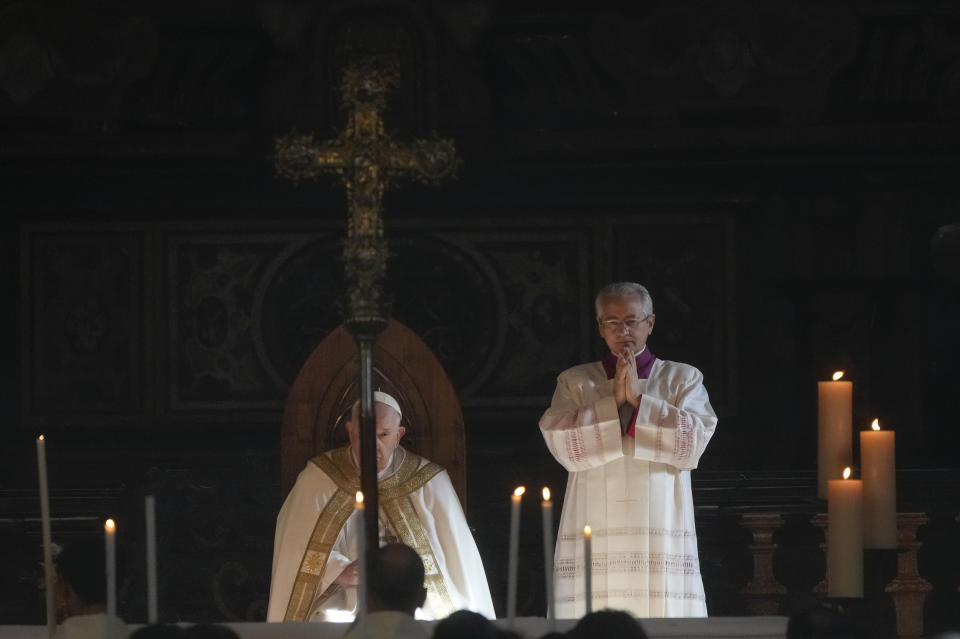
(367, 160)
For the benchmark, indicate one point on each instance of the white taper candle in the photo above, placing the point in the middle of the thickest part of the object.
(150, 517)
(48, 572)
(362, 584)
(588, 569)
(109, 534)
(547, 513)
(514, 551)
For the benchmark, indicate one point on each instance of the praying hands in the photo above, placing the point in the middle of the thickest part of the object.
(625, 382)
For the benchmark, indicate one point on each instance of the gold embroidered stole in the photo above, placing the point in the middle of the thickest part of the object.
(399, 514)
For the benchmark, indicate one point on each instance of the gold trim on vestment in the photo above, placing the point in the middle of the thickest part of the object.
(397, 510)
(402, 518)
(314, 562)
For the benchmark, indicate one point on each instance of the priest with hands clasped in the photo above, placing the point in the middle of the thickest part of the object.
(315, 576)
(629, 429)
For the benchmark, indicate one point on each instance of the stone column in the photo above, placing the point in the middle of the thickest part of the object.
(763, 591)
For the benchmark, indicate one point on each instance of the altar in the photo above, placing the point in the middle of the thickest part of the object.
(770, 627)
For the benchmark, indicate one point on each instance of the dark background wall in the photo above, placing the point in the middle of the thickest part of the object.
(782, 175)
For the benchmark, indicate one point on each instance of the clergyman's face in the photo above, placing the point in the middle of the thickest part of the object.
(617, 334)
(389, 432)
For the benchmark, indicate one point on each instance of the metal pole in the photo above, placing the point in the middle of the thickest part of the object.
(368, 449)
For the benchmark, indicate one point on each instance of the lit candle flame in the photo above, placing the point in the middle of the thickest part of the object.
(846, 473)
(359, 497)
(837, 375)
(519, 491)
(587, 531)
(41, 438)
(875, 425)
(110, 525)
(546, 494)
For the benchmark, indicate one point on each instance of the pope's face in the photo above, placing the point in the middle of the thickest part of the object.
(389, 432)
(615, 316)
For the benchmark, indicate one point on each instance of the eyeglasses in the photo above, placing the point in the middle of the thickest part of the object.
(631, 323)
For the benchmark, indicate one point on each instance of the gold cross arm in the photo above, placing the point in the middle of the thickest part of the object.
(298, 157)
(427, 160)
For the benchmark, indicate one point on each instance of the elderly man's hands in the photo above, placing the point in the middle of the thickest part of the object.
(625, 382)
(349, 576)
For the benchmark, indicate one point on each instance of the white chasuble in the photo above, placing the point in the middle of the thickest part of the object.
(634, 492)
(318, 527)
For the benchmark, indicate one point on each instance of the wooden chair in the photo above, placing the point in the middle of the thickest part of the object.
(404, 366)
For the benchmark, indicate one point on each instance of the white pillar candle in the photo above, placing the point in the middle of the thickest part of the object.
(845, 537)
(109, 534)
(834, 430)
(878, 471)
(361, 556)
(514, 551)
(48, 572)
(587, 569)
(150, 517)
(546, 509)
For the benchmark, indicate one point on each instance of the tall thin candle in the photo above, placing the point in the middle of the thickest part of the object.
(109, 534)
(150, 517)
(587, 569)
(361, 557)
(48, 575)
(514, 550)
(546, 508)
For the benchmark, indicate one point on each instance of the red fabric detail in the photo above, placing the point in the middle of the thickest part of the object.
(632, 429)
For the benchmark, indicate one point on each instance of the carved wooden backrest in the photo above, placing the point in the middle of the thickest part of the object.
(404, 366)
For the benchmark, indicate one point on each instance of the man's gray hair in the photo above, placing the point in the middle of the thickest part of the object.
(624, 289)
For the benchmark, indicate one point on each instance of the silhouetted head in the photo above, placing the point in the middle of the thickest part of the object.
(158, 631)
(209, 631)
(607, 623)
(397, 580)
(465, 624)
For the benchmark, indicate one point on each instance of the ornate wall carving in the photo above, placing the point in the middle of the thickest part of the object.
(505, 310)
(85, 332)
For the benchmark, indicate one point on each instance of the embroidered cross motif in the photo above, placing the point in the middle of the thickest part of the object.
(313, 562)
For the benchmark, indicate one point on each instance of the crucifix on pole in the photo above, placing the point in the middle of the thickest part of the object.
(367, 160)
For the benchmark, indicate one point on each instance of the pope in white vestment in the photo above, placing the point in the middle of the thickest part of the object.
(315, 547)
(629, 429)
